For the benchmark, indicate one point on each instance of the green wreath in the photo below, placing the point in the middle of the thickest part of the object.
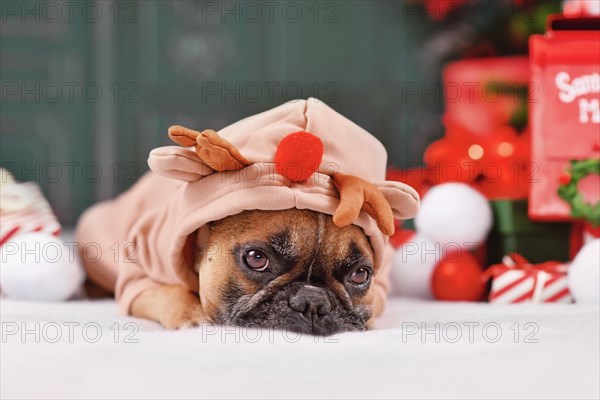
(568, 191)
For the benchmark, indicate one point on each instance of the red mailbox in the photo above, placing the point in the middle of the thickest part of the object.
(564, 109)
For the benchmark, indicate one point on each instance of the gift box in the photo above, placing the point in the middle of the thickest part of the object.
(514, 232)
(516, 280)
(564, 108)
(24, 209)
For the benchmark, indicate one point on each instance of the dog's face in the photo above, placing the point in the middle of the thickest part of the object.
(291, 269)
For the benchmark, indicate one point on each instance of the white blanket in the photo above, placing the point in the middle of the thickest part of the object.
(82, 349)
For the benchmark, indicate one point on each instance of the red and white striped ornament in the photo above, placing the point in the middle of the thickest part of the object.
(32, 215)
(518, 281)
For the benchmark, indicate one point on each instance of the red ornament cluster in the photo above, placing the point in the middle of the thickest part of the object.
(497, 164)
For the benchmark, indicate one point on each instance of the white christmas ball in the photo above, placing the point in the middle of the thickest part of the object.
(584, 274)
(454, 213)
(38, 266)
(412, 267)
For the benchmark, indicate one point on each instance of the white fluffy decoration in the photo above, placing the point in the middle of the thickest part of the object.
(454, 213)
(38, 266)
(584, 274)
(413, 265)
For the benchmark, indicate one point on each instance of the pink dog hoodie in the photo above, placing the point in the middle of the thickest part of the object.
(140, 239)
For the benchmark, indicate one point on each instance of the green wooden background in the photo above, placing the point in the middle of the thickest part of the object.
(160, 63)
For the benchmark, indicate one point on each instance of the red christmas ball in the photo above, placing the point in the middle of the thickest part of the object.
(564, 178)
(458, 277)
(298, 156)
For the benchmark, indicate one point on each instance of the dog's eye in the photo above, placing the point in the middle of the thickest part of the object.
(360, 276)
(256, 260)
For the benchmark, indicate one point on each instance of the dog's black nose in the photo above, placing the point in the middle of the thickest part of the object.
(311, 301)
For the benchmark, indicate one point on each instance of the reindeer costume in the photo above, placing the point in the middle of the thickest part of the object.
(301, 154)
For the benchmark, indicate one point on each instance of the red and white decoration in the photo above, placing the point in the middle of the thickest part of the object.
(453, 221)
(518, 281)
(35, 263)
(24, 210)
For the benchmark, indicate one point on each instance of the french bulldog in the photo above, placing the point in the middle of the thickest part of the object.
(291, 269)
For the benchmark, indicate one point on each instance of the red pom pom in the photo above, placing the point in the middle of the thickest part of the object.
(298, 156)
(458, 277)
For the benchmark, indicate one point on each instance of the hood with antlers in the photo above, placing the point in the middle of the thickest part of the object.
(305, 142)
(298, 156)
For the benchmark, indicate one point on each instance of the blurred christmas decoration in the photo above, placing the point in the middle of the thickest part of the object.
(516, 280)
(440, 10)
(413, 266)
(482, 28)
(35, 264)
(482, 94)
(523, 133)
(487, 143)
(454, 214)
(581, 8)
(570, 192)
(441, 259)
(458, 277)
(514, 232)
(24, 209)
(497, 163)
(415, 177)
(38, 266)
(584, 274)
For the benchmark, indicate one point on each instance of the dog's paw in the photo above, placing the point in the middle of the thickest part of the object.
(173, 306)
(182, 318)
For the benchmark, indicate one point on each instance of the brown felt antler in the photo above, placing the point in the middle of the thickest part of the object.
(356, 194)
(212, 149)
